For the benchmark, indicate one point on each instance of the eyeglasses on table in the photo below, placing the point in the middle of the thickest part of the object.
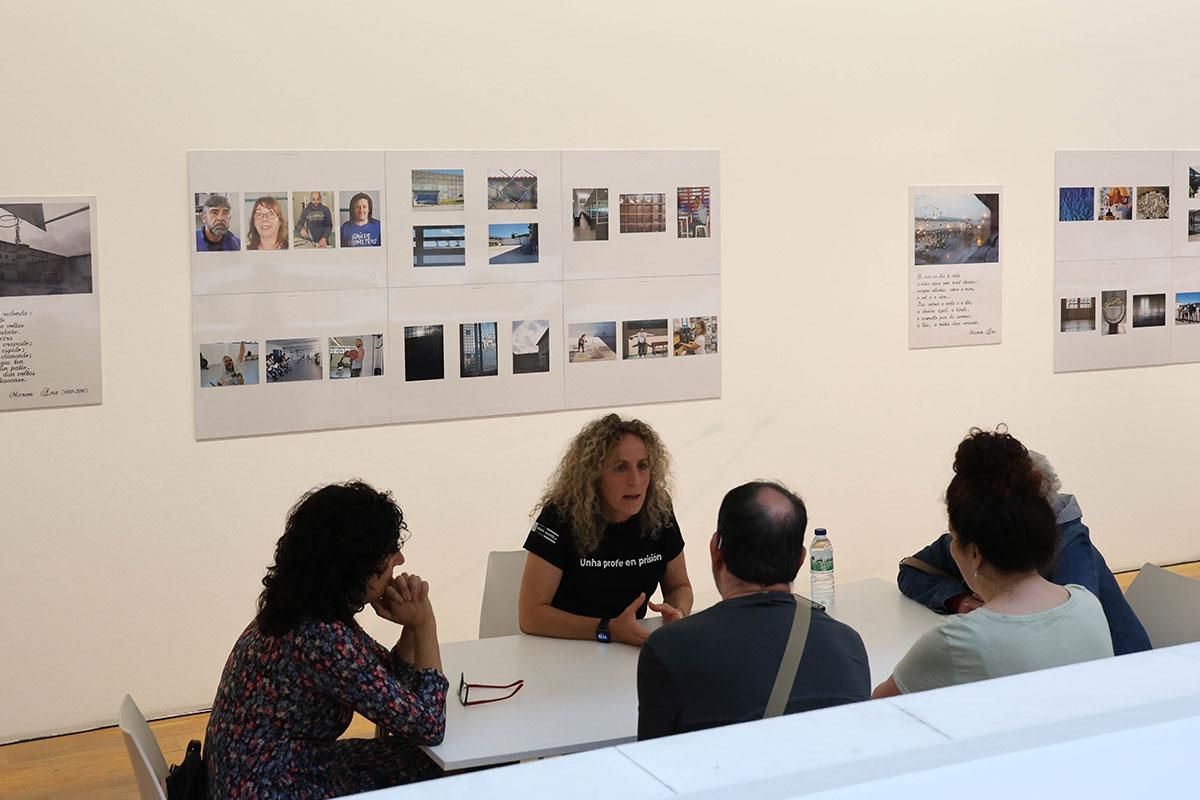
(464, 690)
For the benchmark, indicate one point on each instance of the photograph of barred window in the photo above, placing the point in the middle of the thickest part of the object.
(439, 246)
(1077, 314)
(477, 356)
(643, 213)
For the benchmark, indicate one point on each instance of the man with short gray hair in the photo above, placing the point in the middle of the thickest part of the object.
(214, 232)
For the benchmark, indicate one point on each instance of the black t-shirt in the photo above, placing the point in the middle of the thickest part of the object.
(603, 583)
(718, 666)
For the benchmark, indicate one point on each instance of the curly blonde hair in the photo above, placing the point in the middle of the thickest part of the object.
(574, 488)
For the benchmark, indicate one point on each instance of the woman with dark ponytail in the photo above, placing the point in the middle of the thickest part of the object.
(1002, 532)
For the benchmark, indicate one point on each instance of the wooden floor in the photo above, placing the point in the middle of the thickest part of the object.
(96, 765)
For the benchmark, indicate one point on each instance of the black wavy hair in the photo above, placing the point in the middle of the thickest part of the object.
(762, 542)
(336, 538)
(996, 502)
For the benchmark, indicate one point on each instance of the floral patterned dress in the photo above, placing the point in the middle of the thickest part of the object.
(284, 701)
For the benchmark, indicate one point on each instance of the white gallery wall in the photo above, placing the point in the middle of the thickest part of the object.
(132, 555)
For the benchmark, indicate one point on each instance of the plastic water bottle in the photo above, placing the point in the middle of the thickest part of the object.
(820, 567)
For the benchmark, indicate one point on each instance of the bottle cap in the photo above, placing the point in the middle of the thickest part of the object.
(819, 532)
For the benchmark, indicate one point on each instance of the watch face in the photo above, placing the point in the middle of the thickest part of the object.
(602, 636)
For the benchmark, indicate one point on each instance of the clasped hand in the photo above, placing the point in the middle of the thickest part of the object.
(626, 628)
(405, 601)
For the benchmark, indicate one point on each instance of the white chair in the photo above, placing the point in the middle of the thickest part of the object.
(501, 588)
(1167, 604)
(149, 766)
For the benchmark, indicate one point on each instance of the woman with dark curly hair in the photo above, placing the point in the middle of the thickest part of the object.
(303, 667)
(605, 539)
(1002, 532)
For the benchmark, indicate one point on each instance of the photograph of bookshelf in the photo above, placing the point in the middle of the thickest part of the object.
(643, 213)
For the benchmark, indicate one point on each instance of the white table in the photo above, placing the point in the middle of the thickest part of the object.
(1053, 732)
(887, 621)
(577, 696)
(583, 695)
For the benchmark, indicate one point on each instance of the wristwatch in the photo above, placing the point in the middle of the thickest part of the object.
(602, 632)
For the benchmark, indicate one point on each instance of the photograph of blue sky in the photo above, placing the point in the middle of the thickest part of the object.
(508, 230)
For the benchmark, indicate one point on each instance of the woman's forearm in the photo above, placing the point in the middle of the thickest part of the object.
(426, 653)
(546, 620)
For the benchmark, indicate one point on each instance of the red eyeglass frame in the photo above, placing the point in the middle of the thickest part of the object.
(464, 690)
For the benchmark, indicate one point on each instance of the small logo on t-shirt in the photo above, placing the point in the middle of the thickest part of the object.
(547, 534)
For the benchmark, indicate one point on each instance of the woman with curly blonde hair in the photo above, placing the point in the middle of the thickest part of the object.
(604, 539)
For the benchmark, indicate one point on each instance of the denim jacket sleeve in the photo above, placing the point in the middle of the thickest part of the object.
(1075, 561)
(931, 590)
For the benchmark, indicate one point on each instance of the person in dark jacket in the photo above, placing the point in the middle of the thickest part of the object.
(719, 666)
(1076, 560)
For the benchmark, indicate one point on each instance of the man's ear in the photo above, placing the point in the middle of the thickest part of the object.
(714, 549)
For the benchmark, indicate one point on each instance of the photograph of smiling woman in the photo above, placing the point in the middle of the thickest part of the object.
(268, 230)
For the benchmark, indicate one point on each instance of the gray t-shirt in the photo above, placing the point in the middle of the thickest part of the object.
(984, 644)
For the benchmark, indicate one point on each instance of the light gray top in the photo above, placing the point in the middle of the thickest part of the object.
(984, 644)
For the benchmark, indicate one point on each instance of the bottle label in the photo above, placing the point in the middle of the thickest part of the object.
(821, 563)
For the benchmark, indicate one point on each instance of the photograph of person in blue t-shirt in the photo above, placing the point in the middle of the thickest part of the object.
(361, 229)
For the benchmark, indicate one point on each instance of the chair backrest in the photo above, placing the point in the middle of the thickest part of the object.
(149, 766)
(501, 588)
(1167, 604)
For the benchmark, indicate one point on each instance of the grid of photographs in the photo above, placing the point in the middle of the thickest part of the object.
(474, 349)
(240, 363)
(642, 339)
(280, 220)
(1126, 294)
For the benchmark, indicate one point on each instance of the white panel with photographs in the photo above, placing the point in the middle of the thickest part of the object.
(642, 340)
(49, 303)
(474, 217)
(641, 213)
(461, 306)
(477, 350)
(1127, 259)
(301, 360)
(287, 222)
